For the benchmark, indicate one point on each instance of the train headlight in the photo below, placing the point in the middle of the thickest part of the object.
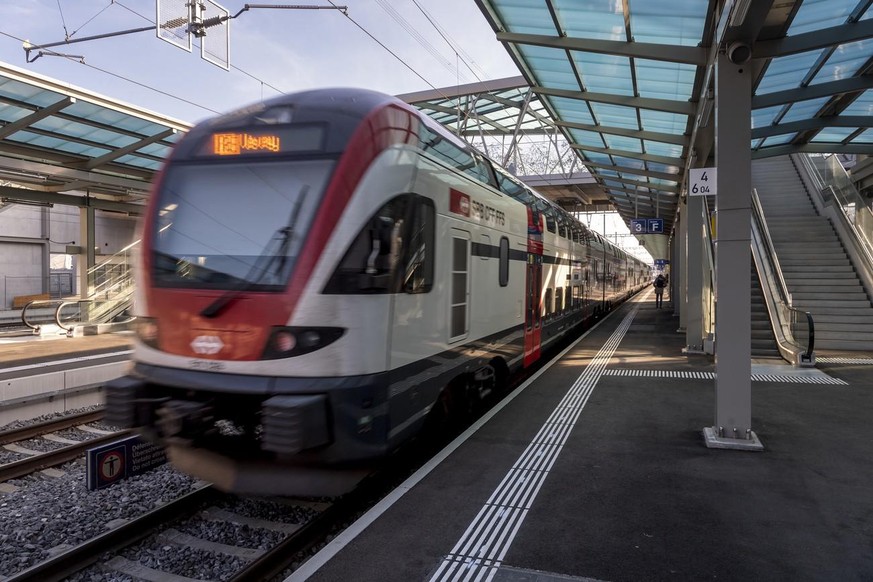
(286, 342)
(147, 330)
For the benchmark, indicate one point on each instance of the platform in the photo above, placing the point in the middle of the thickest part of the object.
(596, 469)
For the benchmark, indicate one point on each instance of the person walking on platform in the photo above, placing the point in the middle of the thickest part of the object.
(659, 284)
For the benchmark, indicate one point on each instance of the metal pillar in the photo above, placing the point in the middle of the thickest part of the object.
(733, 387)
(88, 258)
(694, 290)
(680, 280)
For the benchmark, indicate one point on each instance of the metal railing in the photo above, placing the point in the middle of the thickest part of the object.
(794, 329)
(836, 186)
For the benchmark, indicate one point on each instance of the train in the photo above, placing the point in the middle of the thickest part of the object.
(325, 274)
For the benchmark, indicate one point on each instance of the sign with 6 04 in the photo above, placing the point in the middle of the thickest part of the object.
(702, 182)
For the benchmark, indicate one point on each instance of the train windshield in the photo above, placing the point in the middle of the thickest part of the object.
(223, 226)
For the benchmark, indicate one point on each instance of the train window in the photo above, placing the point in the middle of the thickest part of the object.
(460, 252)
(454, 155)
(548, 306)
(503, 273)
(392, 253)
(559, 300)
(513, 188)
(551, 225)
(567, 304)
(577, 295)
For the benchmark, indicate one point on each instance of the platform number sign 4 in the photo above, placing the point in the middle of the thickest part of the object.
(702, 181)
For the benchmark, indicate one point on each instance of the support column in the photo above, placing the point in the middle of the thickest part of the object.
(733, 387)
(88, 258)
(680, 282)
(694, 292)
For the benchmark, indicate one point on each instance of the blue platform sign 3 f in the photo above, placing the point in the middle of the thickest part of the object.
(656, 226)
(638, 226)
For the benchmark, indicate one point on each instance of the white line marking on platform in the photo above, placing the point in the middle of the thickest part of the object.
(314, 563)
(480, 551)
(819, 378)
(67, 361)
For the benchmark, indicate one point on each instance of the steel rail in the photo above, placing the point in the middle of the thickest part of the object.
(50, 459)
(27, 432)
(81, 556)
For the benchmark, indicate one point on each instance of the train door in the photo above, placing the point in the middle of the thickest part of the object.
(533, 308)
(533, 288)
(459, 295)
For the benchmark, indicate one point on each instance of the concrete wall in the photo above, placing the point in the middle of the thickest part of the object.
(22, 243)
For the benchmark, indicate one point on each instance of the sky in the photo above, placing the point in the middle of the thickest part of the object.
(437, 43)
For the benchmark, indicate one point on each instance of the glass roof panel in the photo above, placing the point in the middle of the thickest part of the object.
(586, 138)
(765, 117)
(778, 140)
(663, 122)
(525, 18)
(616, 115)
(663, 80)
(834, 134)
(786, 72)
(866, 137)
(598, 158)
(658, 167)
(661, 182)
(590, 18)
(603, 172)
(668, 21)
(604, 73)
(663, 149)
(863, 105)
(803, 110)
(551, 67)
(141, 162)
(620, 142)
(845, 61)
(819, 14)
(572, 110)
(628, 162)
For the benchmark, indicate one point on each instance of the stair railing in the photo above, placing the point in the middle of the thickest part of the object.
(846, 208)
(793, 328)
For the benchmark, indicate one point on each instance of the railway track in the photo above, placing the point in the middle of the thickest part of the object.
(38, 460)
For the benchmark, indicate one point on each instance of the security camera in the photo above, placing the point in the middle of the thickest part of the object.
(739, 53)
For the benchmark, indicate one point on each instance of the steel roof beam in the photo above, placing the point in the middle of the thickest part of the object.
(504, 84)
(674, 139)
(115, 154)
(666, 105)
(829, 89)
(643, 50)
(37, 115)
(639, 193)
(813, 124)
(814, 40)
(15, 194)
(679, 162)
(638, 184)
(637, 171)
(811, 148)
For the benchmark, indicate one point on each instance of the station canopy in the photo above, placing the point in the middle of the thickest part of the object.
(627, 83)
(630, 85)
(56, 139)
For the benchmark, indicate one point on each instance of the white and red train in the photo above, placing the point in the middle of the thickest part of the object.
(323, 272)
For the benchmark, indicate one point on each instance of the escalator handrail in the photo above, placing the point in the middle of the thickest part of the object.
(758, 214)
(36, 303)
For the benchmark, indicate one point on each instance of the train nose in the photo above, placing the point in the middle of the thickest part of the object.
(181, 418)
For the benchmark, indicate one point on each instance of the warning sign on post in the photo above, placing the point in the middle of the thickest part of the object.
(111, 463)
(702, 182)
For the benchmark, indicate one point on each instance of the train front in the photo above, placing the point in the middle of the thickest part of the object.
(243, 368)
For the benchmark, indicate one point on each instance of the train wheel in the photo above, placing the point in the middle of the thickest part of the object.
(453, 407)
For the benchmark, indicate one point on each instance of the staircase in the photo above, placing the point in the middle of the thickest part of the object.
(763, 339)
(817, 270)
